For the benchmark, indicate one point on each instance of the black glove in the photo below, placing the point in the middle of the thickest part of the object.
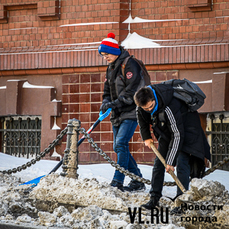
(105, 106)
(105, 101)
(127, 100)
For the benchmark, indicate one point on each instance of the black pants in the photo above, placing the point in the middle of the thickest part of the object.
(183, 172)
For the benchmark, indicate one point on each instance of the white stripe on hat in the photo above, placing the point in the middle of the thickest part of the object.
(110, 40)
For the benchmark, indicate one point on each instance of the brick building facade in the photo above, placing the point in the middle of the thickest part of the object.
(50, 67)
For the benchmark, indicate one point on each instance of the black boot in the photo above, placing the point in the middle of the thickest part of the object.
(134, 185)
(154, 202)
(117, 184)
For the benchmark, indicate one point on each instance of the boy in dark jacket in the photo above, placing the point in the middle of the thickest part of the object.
(118, 94)
(179, 133)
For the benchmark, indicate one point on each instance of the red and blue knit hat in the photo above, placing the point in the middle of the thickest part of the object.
(109, 45)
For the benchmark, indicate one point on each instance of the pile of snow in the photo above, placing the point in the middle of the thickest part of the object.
(205, 205)
(90, 202)
(68, 203)
(135, 41)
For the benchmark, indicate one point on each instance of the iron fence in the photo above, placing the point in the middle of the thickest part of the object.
(20, 135)
(219, 139)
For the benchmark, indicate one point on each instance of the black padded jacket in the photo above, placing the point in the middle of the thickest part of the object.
(174, 126)
(121, 89)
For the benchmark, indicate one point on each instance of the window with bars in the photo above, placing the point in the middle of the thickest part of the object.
(218, 131)
(20, 135)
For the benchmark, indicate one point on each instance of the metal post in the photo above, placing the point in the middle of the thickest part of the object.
(70, 160)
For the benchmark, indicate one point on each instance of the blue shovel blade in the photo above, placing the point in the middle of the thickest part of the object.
(34, 181)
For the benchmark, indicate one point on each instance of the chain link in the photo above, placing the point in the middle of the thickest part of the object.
(39, 156)
(115, 165)
(105, 156)
(133, 176)
(219, 164)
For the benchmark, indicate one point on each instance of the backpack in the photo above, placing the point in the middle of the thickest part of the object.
(188, 92)
(144, 72)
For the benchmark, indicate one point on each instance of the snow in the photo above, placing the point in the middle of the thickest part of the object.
(55, 154)
(128, 20)
(28, 85)
(90, 23)
(91, 188)
(141, 20)
(55, 126)
(88, 43)
(201, 82)
(224, 72)
(102, 172)
(135, 41)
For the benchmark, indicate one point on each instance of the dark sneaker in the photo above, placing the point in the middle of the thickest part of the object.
(134, 185)
(117, 184)
(177, 211)
(153, 203)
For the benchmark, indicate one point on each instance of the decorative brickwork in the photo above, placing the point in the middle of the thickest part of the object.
(48, 10)
(200, 5)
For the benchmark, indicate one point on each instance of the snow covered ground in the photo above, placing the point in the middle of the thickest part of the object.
(103, 174)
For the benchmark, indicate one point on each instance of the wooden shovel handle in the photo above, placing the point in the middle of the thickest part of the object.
(170, 171)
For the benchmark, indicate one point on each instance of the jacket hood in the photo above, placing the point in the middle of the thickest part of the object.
(123, 54)
(165, 94)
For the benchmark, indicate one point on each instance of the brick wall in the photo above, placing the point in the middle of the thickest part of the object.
(52, 22)
(42, 37)
(81, 99)
(209, 23)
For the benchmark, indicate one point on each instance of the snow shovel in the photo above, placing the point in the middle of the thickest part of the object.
(170, 171)
(101, 117)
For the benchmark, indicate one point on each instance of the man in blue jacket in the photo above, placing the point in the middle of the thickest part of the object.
(181, 140)
(118, 94)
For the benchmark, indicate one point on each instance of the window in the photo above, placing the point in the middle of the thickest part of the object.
(20, 135)
(218, 130)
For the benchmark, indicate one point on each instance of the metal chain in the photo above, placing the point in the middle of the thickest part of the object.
(100, 151)
(220, 163)
(211, 170)
(133, 176)
(39, 156)
(115, 165)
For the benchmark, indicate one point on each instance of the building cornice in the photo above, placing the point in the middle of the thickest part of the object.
(167, 56)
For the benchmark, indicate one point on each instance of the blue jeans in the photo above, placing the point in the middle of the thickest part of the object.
(122, 135)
